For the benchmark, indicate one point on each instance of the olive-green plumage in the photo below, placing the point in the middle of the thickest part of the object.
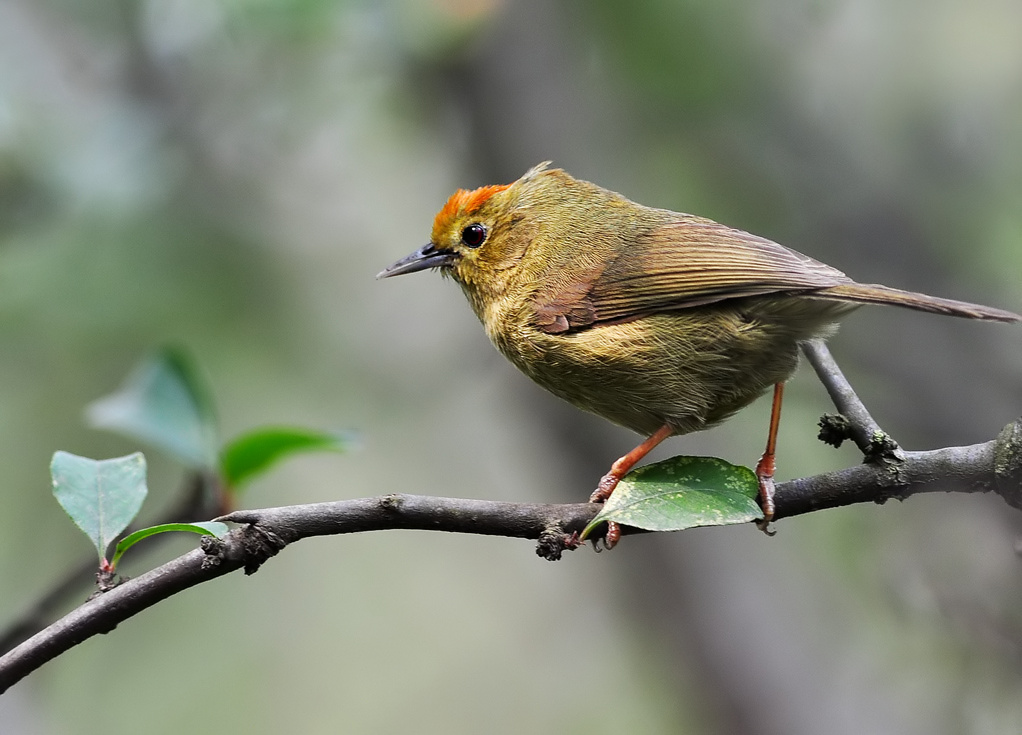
(643, 316)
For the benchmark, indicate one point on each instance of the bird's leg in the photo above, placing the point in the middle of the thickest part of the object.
(618, 470)
(766, 465)
(622, 466)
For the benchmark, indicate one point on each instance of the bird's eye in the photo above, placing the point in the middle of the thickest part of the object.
(473, 235)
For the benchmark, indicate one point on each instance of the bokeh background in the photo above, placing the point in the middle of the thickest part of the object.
(229, 176)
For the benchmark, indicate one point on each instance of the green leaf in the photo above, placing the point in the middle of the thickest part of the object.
(683, 492)
(253, 453)
(164, 403)
(101, 496)
(206, 528)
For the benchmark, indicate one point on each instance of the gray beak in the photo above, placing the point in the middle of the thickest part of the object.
(425, 257)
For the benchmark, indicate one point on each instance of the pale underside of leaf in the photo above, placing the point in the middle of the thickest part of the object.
(101, 496)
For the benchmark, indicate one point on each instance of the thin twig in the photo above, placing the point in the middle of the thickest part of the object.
(871, 440)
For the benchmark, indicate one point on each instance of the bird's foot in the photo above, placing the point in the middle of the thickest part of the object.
(605, 489)
(612, 536)
(601, 494)
(766, 502)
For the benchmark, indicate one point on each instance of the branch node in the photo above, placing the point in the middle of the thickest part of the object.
(883, 449)
(391, 502)
(1008, 463)
(106, 580)
(553, 542)
(834, 429)
(259, 544)
(214, 549)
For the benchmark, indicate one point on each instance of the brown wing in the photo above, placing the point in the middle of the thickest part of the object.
(687, 262)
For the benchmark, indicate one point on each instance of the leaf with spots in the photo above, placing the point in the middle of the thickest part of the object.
(682, 492)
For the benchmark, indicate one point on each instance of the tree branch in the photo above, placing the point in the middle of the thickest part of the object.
(267, 531)
(994, 466)
(861, 428)
(273, 529)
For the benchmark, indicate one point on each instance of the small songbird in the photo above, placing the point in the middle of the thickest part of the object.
(664, 323)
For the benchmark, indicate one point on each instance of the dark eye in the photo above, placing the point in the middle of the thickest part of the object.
(473, 235)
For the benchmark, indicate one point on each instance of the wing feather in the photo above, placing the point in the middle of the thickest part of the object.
(685, 262)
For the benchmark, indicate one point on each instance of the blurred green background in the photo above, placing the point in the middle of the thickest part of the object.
(229, 175)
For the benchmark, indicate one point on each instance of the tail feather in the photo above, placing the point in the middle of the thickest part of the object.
(869, 293)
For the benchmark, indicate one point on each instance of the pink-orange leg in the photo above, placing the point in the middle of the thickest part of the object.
(618, 470)
(766, 465)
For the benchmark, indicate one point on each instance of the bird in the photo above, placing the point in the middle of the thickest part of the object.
(662, 322)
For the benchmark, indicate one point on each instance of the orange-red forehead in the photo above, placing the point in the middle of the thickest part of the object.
(464, 201)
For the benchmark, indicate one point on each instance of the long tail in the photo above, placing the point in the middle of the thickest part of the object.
(870, 293)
